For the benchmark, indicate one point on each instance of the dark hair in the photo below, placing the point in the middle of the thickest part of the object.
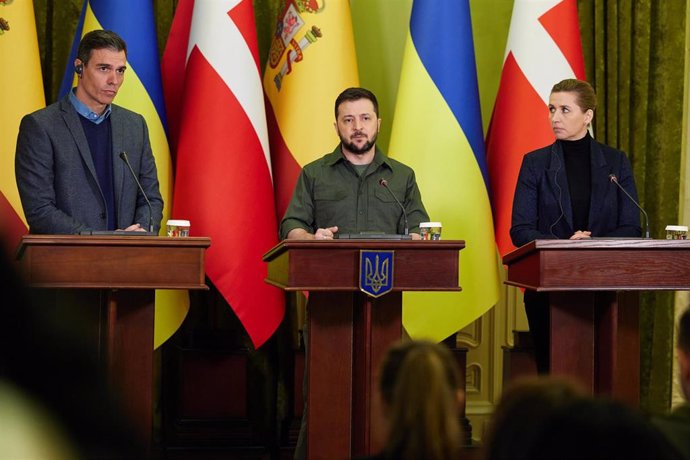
(599, 429)
(419, 386)
(99, 39)
(355, 94)
(586, 98)
(521, 412)
(684, 331)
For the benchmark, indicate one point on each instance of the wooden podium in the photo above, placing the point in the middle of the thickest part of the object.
(127, 269)
(594, 321)
(349, 331)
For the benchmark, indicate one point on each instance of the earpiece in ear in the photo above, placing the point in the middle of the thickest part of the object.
(78, 69)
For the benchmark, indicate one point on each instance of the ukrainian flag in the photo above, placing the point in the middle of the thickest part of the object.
(437, 130)
(141, 92)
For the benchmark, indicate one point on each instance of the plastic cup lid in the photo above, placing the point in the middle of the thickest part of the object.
(178, 223)
(430, 224)
(676, 228)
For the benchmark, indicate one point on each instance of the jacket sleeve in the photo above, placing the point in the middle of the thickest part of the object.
(628, 213)
(148, 177)
(34, 171)
(525, 220)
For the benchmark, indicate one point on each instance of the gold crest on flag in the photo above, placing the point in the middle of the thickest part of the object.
(289, 40)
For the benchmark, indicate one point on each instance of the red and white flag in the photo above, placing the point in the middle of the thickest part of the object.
(544, 47)
(215, 102)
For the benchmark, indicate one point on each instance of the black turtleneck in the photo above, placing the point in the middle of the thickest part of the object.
(579, 173)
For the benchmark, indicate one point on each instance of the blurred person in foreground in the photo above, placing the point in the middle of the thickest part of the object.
(69, 166)
(599, 429)
(566, 190)
(422, 395)
(520, 414)
(553, 419)
(55, 402)
(676, 425)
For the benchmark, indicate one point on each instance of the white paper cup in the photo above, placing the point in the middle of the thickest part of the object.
(676, 232)
(430, 230)
(178, 228)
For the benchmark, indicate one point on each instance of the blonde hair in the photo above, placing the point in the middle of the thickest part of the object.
(419, 385)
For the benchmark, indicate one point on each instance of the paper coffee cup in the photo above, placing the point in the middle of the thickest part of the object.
(178, 228)
(430, 230)
(676, 232)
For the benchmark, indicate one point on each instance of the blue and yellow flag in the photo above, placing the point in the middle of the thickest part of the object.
(437, 130)
(141, 92)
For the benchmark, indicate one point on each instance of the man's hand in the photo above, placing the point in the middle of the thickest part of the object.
(321, 234)
(325, 233)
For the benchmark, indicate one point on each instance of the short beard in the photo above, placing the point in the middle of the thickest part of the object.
(351, 147)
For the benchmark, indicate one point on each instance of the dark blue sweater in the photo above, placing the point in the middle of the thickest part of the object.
(99, 137)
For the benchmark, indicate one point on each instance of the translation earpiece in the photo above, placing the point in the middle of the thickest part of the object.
(78, 69)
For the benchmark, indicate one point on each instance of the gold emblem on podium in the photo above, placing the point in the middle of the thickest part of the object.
(376, 272)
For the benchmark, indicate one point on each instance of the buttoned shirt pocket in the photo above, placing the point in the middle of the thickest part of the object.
(330, 206)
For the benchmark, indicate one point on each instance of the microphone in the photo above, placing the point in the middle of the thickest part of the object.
(123, 155)
(614, 179)
(384, 183)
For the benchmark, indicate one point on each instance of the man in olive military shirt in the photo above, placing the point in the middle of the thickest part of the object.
(342, 191)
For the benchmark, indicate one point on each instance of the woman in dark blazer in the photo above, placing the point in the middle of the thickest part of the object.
(565, 190)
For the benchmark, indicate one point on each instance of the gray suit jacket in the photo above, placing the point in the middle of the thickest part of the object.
(57, 179)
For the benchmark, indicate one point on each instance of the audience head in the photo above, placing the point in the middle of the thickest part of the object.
(589, 428)
(421, 391)
(553, 418)
(521, 412)
(683, 348)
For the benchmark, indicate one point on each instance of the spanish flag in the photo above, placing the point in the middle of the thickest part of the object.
(312, 60)
(21, 92)
(437, 131)
(141, 92)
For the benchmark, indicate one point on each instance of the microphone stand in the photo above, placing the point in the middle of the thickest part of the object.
(123, 155)
(614, 179)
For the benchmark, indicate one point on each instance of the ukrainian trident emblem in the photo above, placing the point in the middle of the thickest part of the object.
(376, 272)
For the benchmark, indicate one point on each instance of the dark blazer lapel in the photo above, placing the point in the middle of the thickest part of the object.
(73, 123)
(117, 125)
(556, 172)
(600, 182)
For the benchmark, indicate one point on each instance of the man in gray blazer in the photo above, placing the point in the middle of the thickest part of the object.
(69, 165)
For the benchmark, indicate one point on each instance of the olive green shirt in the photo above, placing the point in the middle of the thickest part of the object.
(329, 192)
